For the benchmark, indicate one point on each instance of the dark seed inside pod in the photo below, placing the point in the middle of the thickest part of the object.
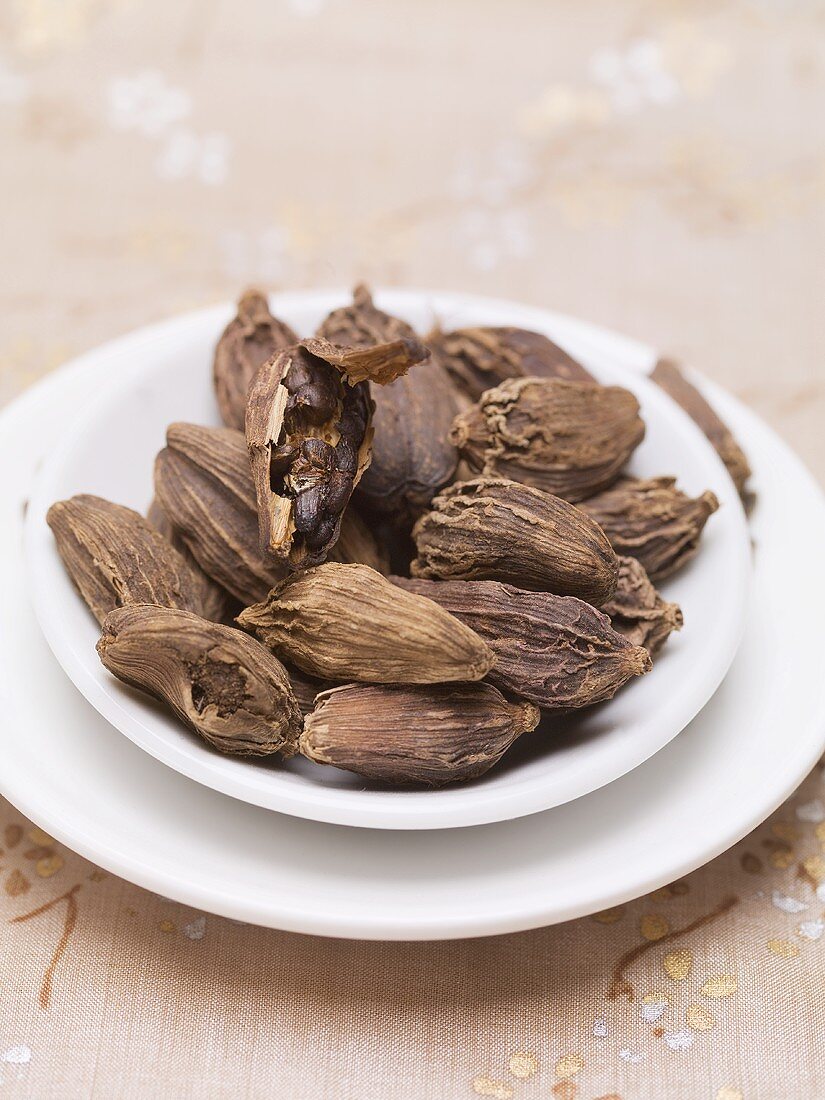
(306, 458)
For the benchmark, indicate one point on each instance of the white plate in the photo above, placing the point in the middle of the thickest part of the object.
(157, 376)
(76, 777)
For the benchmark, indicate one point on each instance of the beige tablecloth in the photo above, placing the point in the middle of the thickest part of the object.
(656, 167)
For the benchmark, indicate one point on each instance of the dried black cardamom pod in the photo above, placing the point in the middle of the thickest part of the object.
(479, 358)
(412, 458)
(555, 651)
(116, 557)
(409, 735)
(218, 681)
(668, 375)
(653, 521)
(250, 338)
(204, 485)
(347, 622)
(216, 602)
(638, 612)
(362, 324)
(499, 530)
(568, 438)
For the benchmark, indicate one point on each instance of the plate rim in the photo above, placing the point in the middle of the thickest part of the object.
(797, 764)
(343, 806)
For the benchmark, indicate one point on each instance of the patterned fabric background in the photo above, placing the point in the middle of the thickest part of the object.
(657, 167)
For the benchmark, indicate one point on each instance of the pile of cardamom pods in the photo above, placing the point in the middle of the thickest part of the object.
(398, 553)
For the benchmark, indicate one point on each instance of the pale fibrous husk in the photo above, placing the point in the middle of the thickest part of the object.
(220, 682)
(414, 735)
(347, 622)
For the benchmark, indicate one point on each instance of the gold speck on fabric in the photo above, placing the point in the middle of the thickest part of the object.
(487, 1086)
(16, 884)
(723, 986)
(37, 836)
(523, 1064)
(782, 858)
(49, 865)
(699, 1018)
(784, 830)
(653, 926)
(784, 949)
(569, 1065)
(610, 916)
(678, 964)
(815, 867)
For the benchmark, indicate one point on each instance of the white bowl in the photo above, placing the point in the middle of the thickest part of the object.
(163, 374)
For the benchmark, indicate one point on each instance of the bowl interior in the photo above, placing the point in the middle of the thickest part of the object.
(163, 374)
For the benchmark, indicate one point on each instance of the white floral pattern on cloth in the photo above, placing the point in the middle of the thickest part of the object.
(14, 1063)
(261, 257)
(148, 104)
(647, 72)
(14, 87)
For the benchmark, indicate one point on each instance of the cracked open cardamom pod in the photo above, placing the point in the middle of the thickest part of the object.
(667, 374)
(554, 651)
(500, 530)
(115, 557)
(220, 682)
(480, 358)
(412, 457)
(204, 485)
(347, 622)
(378, 363)
(571, 439)
(638, 612)
(250, 338)
(308, 434)
(653, 521)
(407, 735)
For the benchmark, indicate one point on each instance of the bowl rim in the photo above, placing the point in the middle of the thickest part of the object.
(479, 804)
